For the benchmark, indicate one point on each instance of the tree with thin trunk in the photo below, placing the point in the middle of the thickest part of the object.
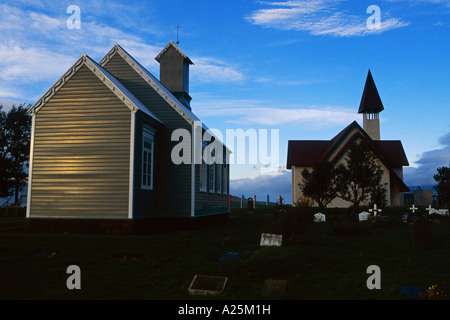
(358, 180)
(319, 184)
(15, 133)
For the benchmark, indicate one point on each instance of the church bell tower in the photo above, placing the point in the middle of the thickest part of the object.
(370, 107)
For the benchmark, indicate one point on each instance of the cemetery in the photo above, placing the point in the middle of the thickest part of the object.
(253, 255)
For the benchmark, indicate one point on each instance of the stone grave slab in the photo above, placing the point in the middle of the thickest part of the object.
(319, 217)
(204, 285)
(226, 256)
(422, 234)
(364, 216)
(443, 212)
(272, 287)
(271, 240)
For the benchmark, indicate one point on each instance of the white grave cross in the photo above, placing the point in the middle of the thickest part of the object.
(430, 209)
(413, 209)
(375, 210)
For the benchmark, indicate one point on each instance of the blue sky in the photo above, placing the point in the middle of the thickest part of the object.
(294, 66)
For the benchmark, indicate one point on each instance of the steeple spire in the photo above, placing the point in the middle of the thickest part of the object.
(370, 107)
(370, 100)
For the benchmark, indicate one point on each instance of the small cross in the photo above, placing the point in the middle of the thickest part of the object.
(429, 209)
(375, 210)
(413, 209)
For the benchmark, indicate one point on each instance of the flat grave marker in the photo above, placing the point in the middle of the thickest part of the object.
(204, 285)
(412, 292)
(271, 240)
(226, 256)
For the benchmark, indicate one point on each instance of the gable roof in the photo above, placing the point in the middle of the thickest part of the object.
(305, 153)
(173, 45)
(112, 83)
(187, 114)
(370, 100)
(154, 83)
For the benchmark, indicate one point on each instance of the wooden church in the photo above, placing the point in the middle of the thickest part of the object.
(102, 142)
(390, 154)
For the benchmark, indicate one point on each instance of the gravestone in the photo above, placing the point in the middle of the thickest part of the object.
(271, 240)
(250, 204)
(273, 288)
(431, 210)
(319, 217)
(226, 256)
(364, 216)
(203, 285)
(422, 234)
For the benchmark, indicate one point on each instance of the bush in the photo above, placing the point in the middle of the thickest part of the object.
(290, 221)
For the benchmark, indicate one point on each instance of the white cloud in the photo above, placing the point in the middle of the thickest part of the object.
(29, 64)
(207, 69)
(37, 46)
(320, 17)
(255, 112)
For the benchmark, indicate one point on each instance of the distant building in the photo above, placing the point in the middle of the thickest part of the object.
(304, 154)
(421, 196)
(102, 141)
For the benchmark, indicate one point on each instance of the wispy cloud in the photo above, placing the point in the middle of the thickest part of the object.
(256, 112)
(319, 17)
(29, 64)
(36, 45)
(207, 69)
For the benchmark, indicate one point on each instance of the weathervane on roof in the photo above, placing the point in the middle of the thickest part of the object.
(178, 28)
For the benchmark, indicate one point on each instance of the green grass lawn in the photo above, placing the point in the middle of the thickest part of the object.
(319, 264)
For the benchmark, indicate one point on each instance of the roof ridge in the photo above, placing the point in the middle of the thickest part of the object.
(104, 76)
(172, 44)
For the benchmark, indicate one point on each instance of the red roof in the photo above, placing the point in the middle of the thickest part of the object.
(305, 153)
